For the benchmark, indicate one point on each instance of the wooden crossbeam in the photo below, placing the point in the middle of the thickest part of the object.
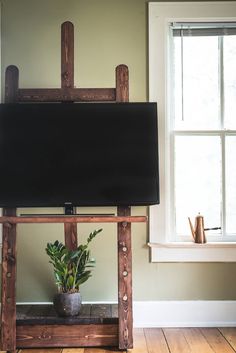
(72, 219)
(66, 94)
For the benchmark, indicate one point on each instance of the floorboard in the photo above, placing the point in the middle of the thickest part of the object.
(177, 342)
(216, 340)
(156, 342)
(230, 335)
(140, 344)
(196, 341)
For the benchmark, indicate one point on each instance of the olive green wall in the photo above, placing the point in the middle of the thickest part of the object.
(107, 33)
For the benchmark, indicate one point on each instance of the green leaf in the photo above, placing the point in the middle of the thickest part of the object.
(71, 267)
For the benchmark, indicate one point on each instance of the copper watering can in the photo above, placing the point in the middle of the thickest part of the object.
(198, 232)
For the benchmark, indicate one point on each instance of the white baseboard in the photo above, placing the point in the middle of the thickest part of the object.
(194, 313)
(186, 313)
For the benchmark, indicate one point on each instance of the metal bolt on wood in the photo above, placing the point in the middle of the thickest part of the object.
(124, 224)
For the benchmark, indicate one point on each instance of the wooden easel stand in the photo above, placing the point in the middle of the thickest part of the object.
(32, 334)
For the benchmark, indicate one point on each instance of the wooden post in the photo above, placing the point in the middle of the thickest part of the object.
(8, 308)
(125, 313)
(125, 282)
(122, 83)
(70, 231)
(8, 295)
(11, 84)
(67, 55)
(67, 81)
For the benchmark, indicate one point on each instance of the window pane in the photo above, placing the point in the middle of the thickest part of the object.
(200, 83)
(230, 147)
(197, 180)
(230, 81)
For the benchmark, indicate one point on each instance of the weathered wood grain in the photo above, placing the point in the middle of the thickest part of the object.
(8, 307)
(65, 94)
(66, 336)
(125, 313)
(67, 55)
(72, 219)
(46, 315)
(122, 83)
(71, 236)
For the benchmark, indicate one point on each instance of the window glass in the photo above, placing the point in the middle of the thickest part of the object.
(230, 81)
(230, 171)
(196, 78)
(197, 180)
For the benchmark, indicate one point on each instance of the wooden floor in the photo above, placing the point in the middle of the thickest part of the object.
(168, 340)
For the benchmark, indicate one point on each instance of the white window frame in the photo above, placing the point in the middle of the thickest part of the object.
(163, 248)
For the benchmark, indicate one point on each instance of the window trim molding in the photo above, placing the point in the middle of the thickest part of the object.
(163, 249)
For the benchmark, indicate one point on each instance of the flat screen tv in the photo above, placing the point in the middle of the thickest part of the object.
(84, 154)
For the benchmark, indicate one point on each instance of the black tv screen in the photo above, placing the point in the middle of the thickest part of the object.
(86, 154)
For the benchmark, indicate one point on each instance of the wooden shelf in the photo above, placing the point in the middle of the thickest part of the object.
(72, 219)
(39, 326)
(46, 315)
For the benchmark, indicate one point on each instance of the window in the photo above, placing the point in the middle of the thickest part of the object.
(192, 51)
(203, 126)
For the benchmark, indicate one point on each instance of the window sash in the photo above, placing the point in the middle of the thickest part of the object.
(221, 132)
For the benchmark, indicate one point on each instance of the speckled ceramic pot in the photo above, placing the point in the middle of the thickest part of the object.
(67, 304)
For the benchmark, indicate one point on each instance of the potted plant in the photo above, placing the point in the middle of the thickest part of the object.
(71, 269)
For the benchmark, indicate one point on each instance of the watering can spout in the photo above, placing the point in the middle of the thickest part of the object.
(191, 227)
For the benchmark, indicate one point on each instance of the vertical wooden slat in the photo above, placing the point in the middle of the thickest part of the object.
(8, 307)
(11, 84)
(67, 55)
(124, 242)
(67, 81)
(125, 281)
(70, 232)
(122, 83)
(8, 277)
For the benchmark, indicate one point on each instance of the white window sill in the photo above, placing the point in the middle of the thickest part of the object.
(192, 252)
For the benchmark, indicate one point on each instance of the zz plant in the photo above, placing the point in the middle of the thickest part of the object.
(71, 267)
